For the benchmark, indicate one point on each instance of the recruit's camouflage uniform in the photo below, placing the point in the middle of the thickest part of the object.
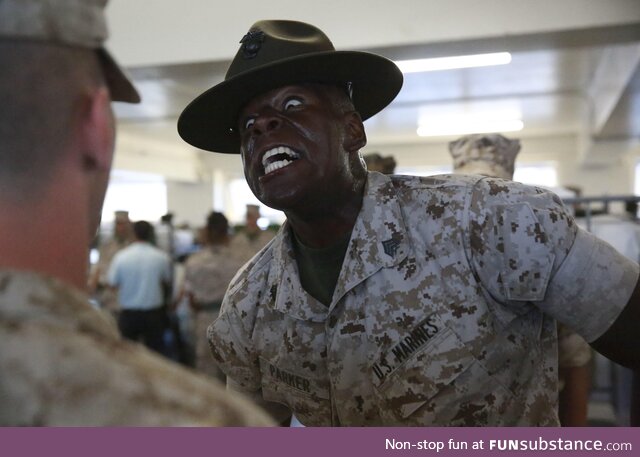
(63, 363)
(207, 275)
(245, 246)
(443, 313)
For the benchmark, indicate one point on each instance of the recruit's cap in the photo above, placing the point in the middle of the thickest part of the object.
(490, 155)
(79, 23)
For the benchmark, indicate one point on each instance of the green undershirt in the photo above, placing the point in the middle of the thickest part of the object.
(319, 268)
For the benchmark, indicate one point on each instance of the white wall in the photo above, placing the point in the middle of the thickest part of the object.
(167, 31)
(189, 202)
(192, 181)
(614, 176)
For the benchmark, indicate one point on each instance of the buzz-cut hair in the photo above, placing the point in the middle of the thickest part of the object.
(40, 87)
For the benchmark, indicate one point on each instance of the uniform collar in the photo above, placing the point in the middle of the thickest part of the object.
(379, 240)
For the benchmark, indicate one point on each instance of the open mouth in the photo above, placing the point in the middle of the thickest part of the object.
(277, 158)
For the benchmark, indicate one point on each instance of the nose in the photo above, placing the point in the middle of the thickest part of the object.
(263, 123)
(267, 121)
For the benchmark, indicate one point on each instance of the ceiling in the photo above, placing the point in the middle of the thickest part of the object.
(582, 81)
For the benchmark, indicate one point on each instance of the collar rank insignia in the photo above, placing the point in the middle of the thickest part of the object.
(390, 247)
(251, 43)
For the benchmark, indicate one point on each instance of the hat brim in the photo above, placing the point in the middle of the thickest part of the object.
(120, 86)
(210, 121)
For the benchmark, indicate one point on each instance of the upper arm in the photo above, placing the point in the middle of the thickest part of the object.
(234, 355)
(592, 287)
(233, 349)
(529, 253)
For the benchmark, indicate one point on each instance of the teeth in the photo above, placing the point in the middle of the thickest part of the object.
(276, 165)
(269, 167)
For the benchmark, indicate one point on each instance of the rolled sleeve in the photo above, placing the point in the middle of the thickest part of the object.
(528, 252)
(591, 288)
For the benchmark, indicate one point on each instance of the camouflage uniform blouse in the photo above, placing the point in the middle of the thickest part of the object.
(443, 313)
(207, 275)
(63, 363)
(208, 272)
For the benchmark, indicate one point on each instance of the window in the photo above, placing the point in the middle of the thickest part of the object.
(539, 174)
(240, 196)
(636, 179)
(424, 171)
(143, 195)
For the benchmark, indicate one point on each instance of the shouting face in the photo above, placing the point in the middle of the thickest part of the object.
(295, 144)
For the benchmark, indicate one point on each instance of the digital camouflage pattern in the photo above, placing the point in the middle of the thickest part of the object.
(246, 246)
(207, 275)
(63, 363)
(495, 155)
(443, 314)
(485, 154)
(208, 272)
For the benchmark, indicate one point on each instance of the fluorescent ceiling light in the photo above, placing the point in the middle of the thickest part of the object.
(469, 126)
(449, 63)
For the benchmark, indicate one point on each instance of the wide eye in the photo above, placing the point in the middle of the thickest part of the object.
(249, 122)
(292, 103)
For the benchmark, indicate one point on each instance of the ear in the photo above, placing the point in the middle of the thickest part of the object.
(355, 137)
(98, 130)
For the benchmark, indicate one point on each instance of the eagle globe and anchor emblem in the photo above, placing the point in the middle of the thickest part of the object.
(251, 43)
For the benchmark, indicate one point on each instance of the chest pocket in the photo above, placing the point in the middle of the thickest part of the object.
(436, 385)
(308, 398)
